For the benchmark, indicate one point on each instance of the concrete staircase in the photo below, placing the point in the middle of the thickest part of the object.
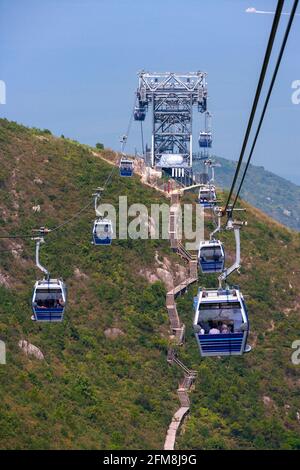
(177, 327)
(183, 395)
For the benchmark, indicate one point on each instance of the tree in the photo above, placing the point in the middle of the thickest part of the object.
(99, 146)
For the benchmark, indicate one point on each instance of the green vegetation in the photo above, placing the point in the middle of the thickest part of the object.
(91, 391)
(277, 197)
(95, 392)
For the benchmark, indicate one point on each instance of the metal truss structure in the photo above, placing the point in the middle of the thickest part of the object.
(172, 97)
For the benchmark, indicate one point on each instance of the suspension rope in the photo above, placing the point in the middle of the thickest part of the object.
(66, 222)
(282, 48)
(15, 236)
(125, 137)
(257, 95)
(58, 227)
(142, 138)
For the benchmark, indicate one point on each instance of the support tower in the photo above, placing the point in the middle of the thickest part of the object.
(172, 97)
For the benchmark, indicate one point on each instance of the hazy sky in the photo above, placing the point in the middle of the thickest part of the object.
(71, 65)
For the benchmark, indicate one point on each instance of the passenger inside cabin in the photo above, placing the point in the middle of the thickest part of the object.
(214, 330)
(225, 329)
(218, 314)
(215, 327)
(60, 302)
(45, 303)
(49, 303)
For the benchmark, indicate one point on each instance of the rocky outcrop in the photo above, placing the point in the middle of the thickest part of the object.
(4, 280)
(31, 350)
(149, 275)
(166, 277)
(38, 181)
(169, 274)
(113, 333)
(79, 274)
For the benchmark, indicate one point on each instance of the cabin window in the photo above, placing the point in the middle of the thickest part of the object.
(48, 298)
(103, 230)
(216, 314)
(211, 254)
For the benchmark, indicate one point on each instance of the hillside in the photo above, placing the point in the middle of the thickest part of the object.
(276, 196)
(95, 392)
(91, 391)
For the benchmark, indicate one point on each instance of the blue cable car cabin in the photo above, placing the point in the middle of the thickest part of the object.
(211, 256)
(139, 113)
(126, 167)
(49, 300)
(221, 323)
(205, 140)
(102, 232)
(207, 196)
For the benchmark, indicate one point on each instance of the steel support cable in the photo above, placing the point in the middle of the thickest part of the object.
(142, 138)
(124, 142)
(15, 236)
(58, 227)
(52, 230)
(257, 95)
(66, 222)
(63, 224)
(282, 48)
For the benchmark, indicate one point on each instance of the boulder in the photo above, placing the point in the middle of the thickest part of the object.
(79, 274)
(113, 333)
(31, 350)
(4, 280)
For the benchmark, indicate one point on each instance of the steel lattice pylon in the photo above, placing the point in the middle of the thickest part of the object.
(172, 97)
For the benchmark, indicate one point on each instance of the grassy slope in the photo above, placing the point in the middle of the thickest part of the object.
(91, 392)
(98, 393)
(266, 191)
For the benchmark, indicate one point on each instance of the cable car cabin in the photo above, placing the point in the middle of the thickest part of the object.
(126, 167)
(102, 232)
(221, 322)
(49, 300)
(205, 140)
(211, 256)
(207, 196)
(139, 114)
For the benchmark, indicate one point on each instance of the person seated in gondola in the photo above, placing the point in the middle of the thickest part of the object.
(203, 327)
(49, 303)
(225, 329)
(40, 304)
(214, 330)
(60, 302)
